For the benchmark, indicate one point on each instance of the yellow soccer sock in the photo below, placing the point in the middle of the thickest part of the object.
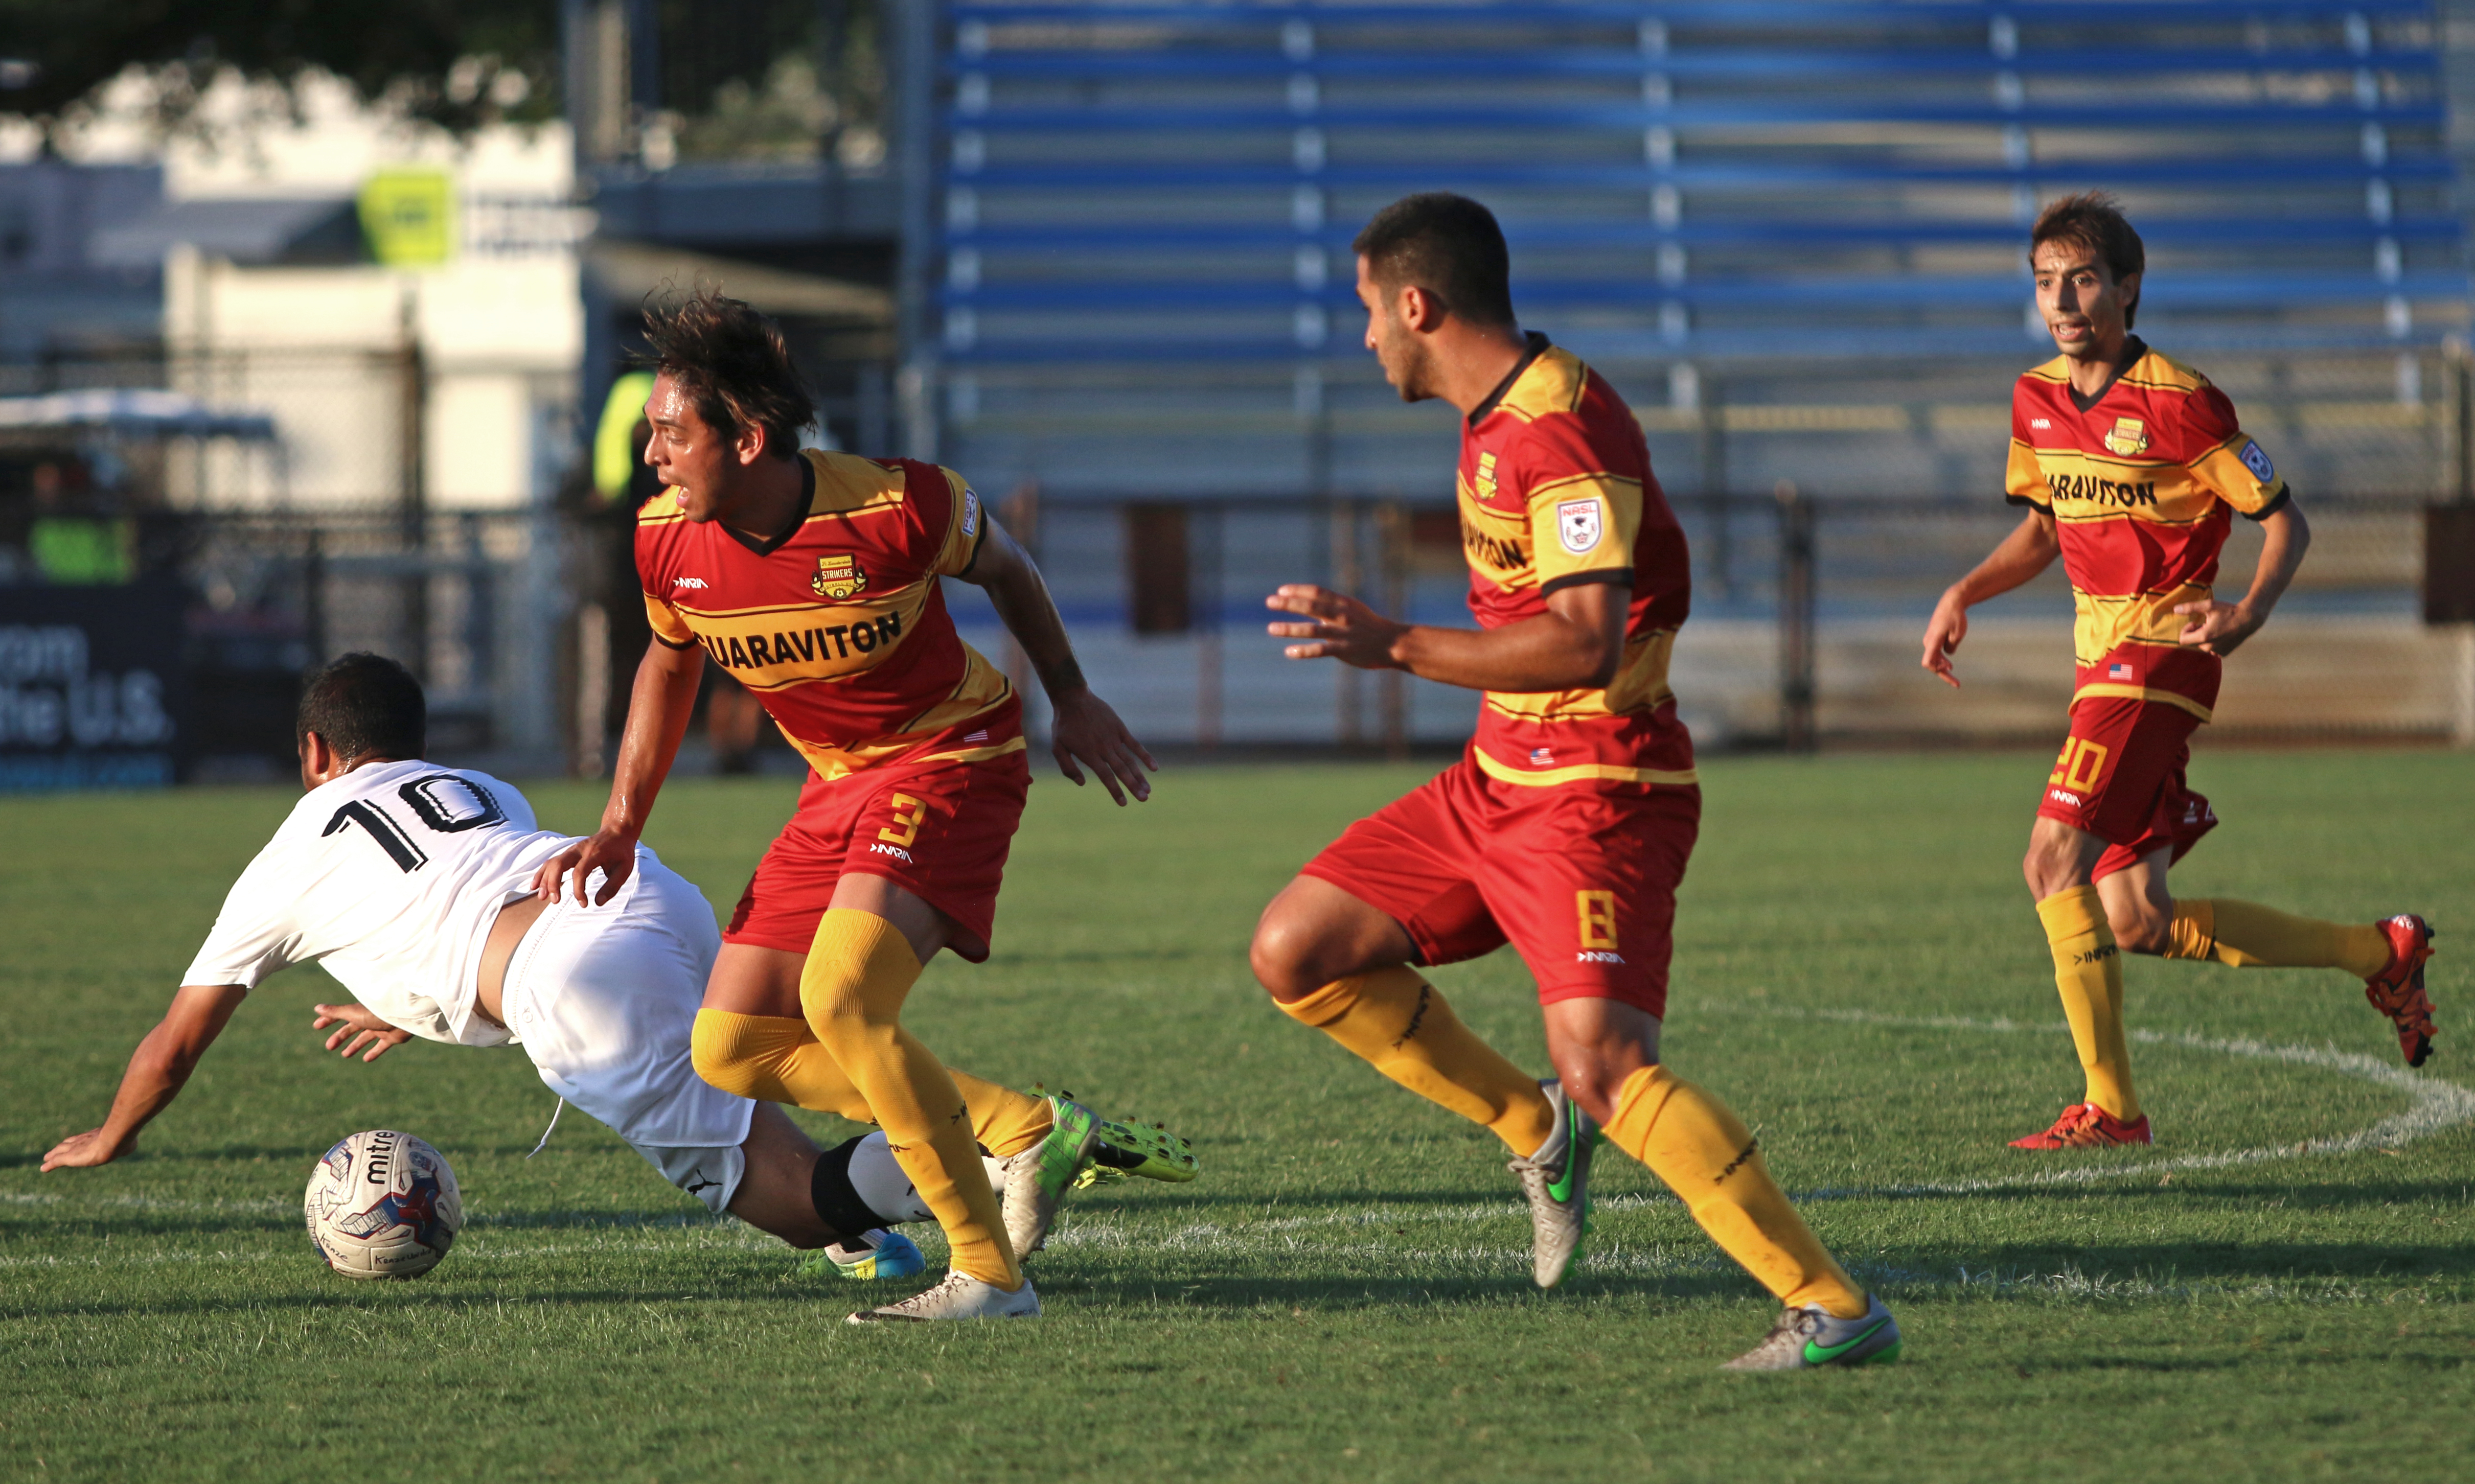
(2088, 972)
(775, 1059)
(2247, 936)
(859, 971)
(1708, 1156)
(1400, 1025)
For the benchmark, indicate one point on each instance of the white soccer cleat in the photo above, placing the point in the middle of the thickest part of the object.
(1557, 1180)
(1809, 1338)
(1037, 1179)
(960, 1297)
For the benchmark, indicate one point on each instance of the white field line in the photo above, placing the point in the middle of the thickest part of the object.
(2434, 1105)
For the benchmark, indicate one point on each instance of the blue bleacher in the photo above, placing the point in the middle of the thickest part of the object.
(1160, 185)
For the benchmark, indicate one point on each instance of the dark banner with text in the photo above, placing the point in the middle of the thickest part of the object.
(92, 686)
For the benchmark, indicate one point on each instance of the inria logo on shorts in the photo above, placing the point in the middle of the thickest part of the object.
(2059, 796)
(687, 582)
(1596, 956)
(895, 851)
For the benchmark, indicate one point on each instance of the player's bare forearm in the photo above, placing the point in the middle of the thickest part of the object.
(658, 708)
(1016, 589)
(2029, 549)
(157, 1069)
(2220, 628)
(1083, 729)
(1575, 645)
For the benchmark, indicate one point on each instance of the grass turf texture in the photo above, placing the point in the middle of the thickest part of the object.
(1344, 1294)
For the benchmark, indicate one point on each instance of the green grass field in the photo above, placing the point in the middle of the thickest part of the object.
(2279, 1290)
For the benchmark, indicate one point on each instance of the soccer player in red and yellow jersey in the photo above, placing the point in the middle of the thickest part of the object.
(1565, 827)
(814, 579)
(2131, 465)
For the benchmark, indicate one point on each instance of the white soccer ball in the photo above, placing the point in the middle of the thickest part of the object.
(383, 1204)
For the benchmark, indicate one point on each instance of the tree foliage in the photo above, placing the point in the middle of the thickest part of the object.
(456, 62)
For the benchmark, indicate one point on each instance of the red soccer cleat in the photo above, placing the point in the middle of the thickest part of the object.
(2087, 1125)
(2397, 991)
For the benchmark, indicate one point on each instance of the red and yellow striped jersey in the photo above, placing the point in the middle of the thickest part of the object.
(839, 625)
(1555, 490)
(2140, 482)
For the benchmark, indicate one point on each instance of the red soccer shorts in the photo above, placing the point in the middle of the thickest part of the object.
(1581, 881)
(937, 829)
(2120, 778)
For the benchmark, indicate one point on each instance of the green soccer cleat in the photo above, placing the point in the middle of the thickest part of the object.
(1141, 1151)
(1557, 1180)
(1809, 1338)
(1037, 1178)
(865, 1258)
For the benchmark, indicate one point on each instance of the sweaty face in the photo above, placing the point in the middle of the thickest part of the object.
(2083, 306)
(686, 451)
(1397, 348)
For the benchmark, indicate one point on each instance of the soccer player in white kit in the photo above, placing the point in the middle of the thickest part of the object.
(412, 885)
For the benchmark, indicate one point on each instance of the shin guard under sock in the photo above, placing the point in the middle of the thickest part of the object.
(1400, 1025)
(2087, 974)
(859, 971)
(2247, 936)
(1706, 1156)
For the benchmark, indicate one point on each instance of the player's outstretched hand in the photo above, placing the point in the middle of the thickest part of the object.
(1083, 726)
(85, 1150)
(364, 1027)
(606, 851)
(1342, 628)
(1943, 632)
(2219, 628)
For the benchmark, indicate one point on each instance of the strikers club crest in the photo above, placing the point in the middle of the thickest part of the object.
(838, 577)
(2128, 438)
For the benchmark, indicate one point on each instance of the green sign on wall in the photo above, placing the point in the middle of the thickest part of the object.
(408, 217)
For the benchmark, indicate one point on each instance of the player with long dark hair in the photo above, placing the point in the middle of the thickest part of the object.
(816, 580)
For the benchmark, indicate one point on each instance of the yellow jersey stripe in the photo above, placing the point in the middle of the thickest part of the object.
(2138, 693)
(1579, 772)
(976, 754)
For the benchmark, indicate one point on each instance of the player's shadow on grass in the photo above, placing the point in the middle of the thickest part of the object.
(1338, 1295)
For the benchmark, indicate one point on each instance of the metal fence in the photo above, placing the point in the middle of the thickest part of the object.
(1808, 616)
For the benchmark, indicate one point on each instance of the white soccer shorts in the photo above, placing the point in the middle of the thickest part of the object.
(604, 1001)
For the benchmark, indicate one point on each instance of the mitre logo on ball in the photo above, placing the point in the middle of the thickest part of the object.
(2127, 437)
(838, 577)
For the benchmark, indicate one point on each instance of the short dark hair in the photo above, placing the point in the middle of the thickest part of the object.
(734, 367)
(365, 705)
(1449, 246)
(2094, 221)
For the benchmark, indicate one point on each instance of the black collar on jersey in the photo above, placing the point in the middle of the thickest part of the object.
(807, 502)
(2133, 348)
(1538, 348)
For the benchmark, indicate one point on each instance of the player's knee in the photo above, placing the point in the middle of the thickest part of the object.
(718, 1048)
(2142, 930)
(1284, 956)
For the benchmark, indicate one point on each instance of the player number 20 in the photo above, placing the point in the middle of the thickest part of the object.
(2079, 768)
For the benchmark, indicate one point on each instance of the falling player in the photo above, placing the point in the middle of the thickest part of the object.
(2130, 464)
(816, 580)
(1565, 826)
(412, 885)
